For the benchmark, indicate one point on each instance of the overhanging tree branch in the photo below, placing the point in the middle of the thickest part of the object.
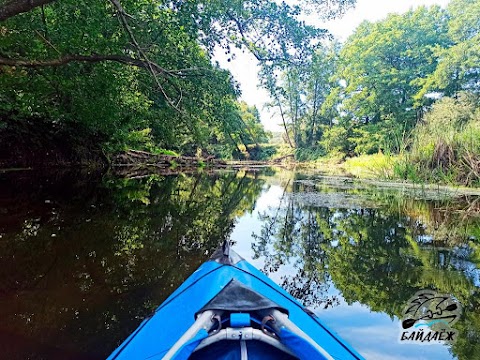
(164, 79)
(95, 58)
(123, 20)
(247, 43)
(15, 7)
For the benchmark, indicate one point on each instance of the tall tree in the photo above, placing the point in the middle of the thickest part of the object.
(382, 63)
(459, 65)
(303, 95)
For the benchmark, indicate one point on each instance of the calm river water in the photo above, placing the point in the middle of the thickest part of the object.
(84, 257)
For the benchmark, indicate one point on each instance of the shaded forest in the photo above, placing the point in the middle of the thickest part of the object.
(80, 80)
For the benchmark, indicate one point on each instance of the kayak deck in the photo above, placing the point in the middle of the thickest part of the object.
(228, 294)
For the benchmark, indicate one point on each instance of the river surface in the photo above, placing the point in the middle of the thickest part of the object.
(84, 257)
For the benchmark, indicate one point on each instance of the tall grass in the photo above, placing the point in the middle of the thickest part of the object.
(371, 166)
(446, 146)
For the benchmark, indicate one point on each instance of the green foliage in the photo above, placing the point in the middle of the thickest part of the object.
(165, 152)
(373, 95)
(363, 97)
(155, 70)
(367, 142)
(263, 152)
(250, 118)
(336, 139)
(459, 66)
(360, 98)
(406, 170)
(370, 166)
(381, 65)
(303, 95)
(112, 99)
(390, 68)
(139, 139)
(308, 154)
(446, 146)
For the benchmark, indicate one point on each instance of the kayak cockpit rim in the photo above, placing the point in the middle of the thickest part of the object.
(287, 337)
(241, 307)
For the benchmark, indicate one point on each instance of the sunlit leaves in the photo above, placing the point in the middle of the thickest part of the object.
(458, 68)
(383, 60)
(301, 94)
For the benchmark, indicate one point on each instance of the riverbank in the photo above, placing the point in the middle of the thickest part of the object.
(28, 149)
(36, 143)
(391, 168)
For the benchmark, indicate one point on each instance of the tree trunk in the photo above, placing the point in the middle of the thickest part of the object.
(314, 113)
(284, 123)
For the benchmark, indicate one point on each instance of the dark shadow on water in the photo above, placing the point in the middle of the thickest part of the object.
(84, 259)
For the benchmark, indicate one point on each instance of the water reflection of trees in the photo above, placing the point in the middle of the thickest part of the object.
(296, 236)
(81, 265)
(376, 256)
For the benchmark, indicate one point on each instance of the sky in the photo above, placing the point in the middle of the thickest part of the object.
(245, 67)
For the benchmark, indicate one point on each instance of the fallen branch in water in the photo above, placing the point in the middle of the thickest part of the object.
(138, 157)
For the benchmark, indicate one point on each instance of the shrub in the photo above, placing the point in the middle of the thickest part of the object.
(446, 146)
(309, 154)
(336, 139)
